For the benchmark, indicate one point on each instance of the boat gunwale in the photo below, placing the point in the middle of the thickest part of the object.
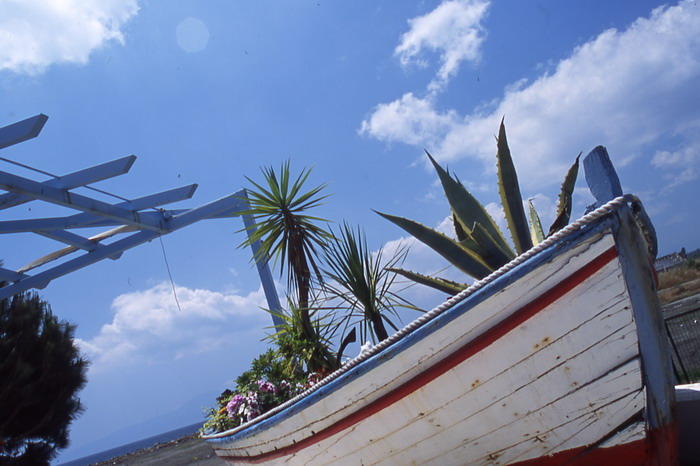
(586, 227)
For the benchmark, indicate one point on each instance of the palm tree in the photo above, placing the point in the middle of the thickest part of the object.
(288, 235)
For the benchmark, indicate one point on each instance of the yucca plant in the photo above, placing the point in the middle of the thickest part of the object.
(480, 247)
(287, 235)
(361, 281)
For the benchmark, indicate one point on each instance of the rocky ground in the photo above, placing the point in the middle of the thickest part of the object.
(184, 451)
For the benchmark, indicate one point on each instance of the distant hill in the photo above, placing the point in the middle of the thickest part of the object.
(189, 413)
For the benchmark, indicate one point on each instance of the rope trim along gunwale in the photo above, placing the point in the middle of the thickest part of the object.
(571, 228)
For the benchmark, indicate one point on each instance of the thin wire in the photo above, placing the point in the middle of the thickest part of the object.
(27, 167)
(167, 266)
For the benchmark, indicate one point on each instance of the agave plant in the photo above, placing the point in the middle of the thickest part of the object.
(286, 233)
(536, 232)
(480, 247)
(362, 282)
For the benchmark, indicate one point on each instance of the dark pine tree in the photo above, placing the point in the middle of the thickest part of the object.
(41, 373)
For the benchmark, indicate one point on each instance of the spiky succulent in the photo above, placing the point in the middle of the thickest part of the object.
(479, 246)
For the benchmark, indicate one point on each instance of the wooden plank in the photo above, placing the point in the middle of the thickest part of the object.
(87, 220)
(8, 275)
(601, 176)
(654, 345)
(409, 363)
(41, 279)
(494, 390)
(383, 444)
(287, 427)
(73, 180)
(65, 198)
(22, 130)
(65, 251)
(632, 433)
(583, 426)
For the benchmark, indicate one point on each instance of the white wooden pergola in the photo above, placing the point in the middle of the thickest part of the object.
(126, 224)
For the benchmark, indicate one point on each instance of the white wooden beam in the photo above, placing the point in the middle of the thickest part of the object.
(73, 180)
(22, 130)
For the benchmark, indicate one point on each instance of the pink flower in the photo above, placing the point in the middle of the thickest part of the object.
(266, 386)
(252, 399)
(314, 378)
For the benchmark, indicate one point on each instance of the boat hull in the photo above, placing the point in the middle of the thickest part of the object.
(543, 365)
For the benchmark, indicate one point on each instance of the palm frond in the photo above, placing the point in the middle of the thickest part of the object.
(360, 282)
(288, 236)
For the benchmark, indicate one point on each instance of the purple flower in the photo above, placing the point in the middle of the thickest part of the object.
(266, 386)
(234, 406)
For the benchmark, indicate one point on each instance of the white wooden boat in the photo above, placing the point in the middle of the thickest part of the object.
(557, 358)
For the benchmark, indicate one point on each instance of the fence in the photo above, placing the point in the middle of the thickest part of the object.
(683, 329)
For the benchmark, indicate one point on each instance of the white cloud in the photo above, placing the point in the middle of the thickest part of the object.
(35, 34)
(410, 120)
(453, 29)
(680, 166)
(148, 325)
(677, 179)
(624, 89)
(681, 158)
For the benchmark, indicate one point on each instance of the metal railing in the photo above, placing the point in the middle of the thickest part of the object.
(682, 321)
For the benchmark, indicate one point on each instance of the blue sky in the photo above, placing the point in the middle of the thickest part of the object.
(208, 92)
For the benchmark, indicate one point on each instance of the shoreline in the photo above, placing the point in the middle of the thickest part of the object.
(190, 449)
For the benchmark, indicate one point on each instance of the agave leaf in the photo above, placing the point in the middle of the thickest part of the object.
(565, 199)
(483, 245)
(461, 232)
(489, 249)
(465, 207)
(536, 231)
(468, 240)
(465, 260)
(510, 195)
(440, 284)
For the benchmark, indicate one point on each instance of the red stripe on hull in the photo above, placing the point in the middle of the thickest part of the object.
(470, 349)
(660, 448)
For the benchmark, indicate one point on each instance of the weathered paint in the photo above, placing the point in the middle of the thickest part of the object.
(546, 364)
(654, 350)
(601, 176)
(639, 452)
